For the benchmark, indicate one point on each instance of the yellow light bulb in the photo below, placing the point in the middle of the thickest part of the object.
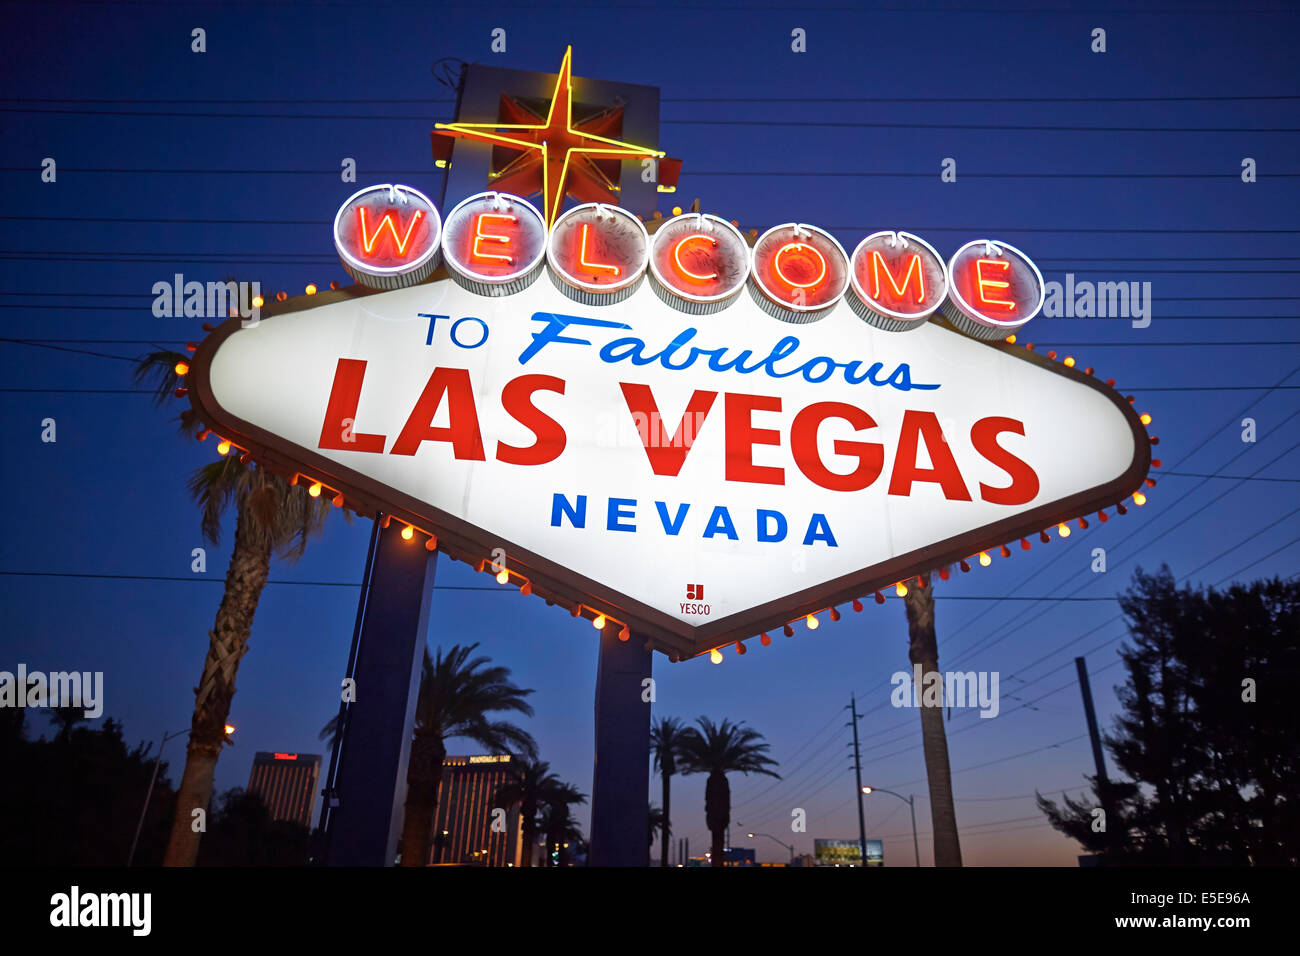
(314, 490)
(812, 622)
(503, 576)
(985, 560)
(677, 210)
(598, 622)
(715, 656)
(311, 288)
(901, 590)
(1069, 361)
(182, 368)
(408, 533)
(1011, 340)
(223, 448)
(1144, 418)
(1139, 499)
(257, 301)
(1063, 530)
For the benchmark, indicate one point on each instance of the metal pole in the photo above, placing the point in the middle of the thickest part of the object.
(1086, 689)
(621, 775)
(329, 794)
(371, 781)
(911, 802)
(857, 769)
(1090, 714)
(788, 846)
(149, 795)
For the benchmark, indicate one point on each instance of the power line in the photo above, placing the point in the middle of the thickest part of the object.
(880, 100)
(1008, 633)
(1066, 230)
(712, 123)
(1262, 342)
(222, 580)
(1189, 474)
(1006, 127)
(978, 645)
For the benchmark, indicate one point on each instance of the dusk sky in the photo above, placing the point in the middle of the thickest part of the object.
(1117, 166)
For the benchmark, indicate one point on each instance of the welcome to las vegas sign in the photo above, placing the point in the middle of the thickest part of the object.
(691, 434)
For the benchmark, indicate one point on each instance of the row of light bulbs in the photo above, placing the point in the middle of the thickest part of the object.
(600, 619)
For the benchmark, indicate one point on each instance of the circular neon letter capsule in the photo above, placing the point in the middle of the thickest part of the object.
(799, 272)
(388, 236)
(898, 281)
(699, 263)
(597, 254)
(494, 243)
(993, 289)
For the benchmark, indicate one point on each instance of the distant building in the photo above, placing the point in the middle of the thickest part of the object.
(804, 859)
(847, 853)
(287, 783)
(733, 856)
(462, 824)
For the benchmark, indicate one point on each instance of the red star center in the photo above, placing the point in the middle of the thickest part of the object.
(557, 158)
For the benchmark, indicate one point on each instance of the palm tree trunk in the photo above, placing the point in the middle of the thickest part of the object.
(717, 814)
(250, 565)
(923, 649)
(423, 775)
(664, 830)
(528, 827)
(529, 835)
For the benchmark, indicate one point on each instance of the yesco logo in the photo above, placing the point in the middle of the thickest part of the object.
(74, 909)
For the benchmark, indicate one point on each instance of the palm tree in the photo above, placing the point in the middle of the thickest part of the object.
(658, 824)
(528, 791)
(556, 821)
(923, 649)
(720, 749)
(456, 695)
(271, 517)
(667, 737)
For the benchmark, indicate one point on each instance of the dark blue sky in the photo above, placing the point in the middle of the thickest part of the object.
(254, 130)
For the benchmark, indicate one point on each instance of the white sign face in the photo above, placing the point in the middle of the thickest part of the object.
(700, 478)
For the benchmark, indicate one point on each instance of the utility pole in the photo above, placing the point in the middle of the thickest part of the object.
(857, 769)
(1103, 784)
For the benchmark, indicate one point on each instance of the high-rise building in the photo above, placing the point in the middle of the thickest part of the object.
(463, 830)
(287, 783)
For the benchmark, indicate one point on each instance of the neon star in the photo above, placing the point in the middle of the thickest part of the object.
(557, 157)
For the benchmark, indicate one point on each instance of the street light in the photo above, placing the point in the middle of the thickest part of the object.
(911, 803)
(229, 728)
(788, 846)
(149, 793)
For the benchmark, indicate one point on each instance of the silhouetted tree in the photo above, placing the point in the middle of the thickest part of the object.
(1208, 743)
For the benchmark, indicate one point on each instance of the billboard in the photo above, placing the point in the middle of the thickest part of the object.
(665, 425)
(847, 853)
(697, 479)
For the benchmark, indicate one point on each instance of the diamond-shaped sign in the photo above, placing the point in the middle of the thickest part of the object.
(695, 478)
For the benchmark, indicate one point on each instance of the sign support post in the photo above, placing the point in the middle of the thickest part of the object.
(620, 807)
(371, 787)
